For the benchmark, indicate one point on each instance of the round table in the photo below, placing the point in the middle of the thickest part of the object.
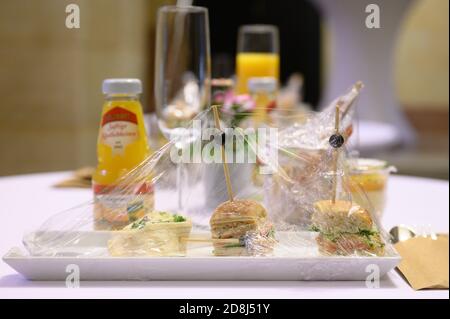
(27, 200)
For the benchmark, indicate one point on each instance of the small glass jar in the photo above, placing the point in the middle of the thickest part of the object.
(371, 175)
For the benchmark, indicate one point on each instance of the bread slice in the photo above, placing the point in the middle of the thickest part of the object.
(238, 210)
(340, 217)
(155, 234)
(229, 247)
(143, 242)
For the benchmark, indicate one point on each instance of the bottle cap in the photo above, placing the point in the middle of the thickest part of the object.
(262, 84)
(122, 86)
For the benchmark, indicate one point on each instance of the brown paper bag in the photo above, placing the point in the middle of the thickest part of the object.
(425, 262)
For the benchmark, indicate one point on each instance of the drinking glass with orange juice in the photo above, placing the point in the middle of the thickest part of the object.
(258, 54)
(121, 146)
(370, 176)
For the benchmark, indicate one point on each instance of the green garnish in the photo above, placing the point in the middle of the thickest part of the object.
(271, 232)
(366, 232)
(139, 224)
(157, 218)
(178, 218)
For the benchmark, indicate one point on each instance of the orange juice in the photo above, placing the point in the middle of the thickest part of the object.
(249, 65)
(121, 146)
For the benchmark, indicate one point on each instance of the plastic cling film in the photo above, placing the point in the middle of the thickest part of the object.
(303, 202)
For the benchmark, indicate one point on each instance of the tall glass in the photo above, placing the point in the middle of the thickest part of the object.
(182, 73)
(257, 54)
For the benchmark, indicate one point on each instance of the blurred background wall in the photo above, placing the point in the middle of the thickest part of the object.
(51, 77)
(50, 82)
(422, 83)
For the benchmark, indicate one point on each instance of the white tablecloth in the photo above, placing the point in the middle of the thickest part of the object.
(27, 200)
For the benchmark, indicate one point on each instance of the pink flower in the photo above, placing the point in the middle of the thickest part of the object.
(237, 106)
(243, 101)
(246, 102)
(229, 98)
(219, 97)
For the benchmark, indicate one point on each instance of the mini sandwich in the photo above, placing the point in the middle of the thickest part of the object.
(345, 229)
(240, 228)
(155, 234)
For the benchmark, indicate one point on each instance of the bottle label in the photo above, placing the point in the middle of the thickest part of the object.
(122, 204)
(119, 127)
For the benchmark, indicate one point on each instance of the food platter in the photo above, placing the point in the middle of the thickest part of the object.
(305, 220)
(301, 262)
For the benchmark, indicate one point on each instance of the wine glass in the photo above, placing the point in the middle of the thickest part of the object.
(257, 54)
(182, 74)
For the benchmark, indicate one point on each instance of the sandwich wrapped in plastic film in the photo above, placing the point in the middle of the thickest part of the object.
(290, 195)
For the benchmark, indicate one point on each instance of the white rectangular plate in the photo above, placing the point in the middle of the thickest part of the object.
(291, 262)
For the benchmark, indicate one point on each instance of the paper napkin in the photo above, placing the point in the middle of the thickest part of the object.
(81, 178)
(425, 262)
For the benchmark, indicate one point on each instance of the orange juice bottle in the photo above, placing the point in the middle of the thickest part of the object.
(121, 146)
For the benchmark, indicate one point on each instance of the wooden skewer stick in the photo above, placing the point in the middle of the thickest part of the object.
(336, 151)
(355, 90)
(225, 165)
(210, 240)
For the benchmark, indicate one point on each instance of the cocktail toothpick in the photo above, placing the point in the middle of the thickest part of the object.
(336, 141)
(226, 172)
